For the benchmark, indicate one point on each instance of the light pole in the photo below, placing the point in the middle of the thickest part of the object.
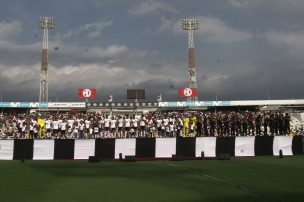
(44, 23)
(191, 24)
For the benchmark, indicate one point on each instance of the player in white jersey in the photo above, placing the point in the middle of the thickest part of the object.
(192, 129)
(75, 129)
(34, 125)
(158, 125)
(55, 127)
(31, 130)
(142, 124)
(96, 129)
(70, 123)
(69, 131)
(171, 129)
(63, 129)
(106, 126)
(166, 121)
(120, 123)
(179, 126)
(48, 122)
(150, 127)
(24, 130)
(87, 124)
(134, 122)
(127, 122)
(162, 132)
(81, 129)
(20, 122)
(101, 126)
(113, 127)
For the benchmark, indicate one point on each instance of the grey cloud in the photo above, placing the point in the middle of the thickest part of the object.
(91, 30)
(211, 29)
(146, 7)
(9, 29)
(243, 3)
(15, 54)
(282, 79)
(215, 30)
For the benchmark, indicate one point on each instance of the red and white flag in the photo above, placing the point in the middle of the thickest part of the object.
(87, 92)
(187, 92)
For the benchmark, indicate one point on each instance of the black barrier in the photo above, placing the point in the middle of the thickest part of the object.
(64, 149)
(105, 148)
(263, 145)
(297, 145)
(23, 149)
(225, 145)
(145, 147)
(185, 146)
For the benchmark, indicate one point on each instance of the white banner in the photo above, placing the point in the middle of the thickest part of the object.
(125, 146)
(44, 149)
(207, 145)
(84, 149)
(165, 147)
(6, 149)
(283, 143)
(244, 146)
(66, 105)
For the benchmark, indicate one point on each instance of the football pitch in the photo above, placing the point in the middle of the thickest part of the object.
(239, 179)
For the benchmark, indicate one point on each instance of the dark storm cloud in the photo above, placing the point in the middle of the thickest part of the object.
(280, 80)
(13, 54)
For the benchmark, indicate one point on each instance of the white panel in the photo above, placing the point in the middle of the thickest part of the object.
(84, 149)
(165, 147)
(266, 102)
(66, 105)
(244, 146)
(44, 149)
(283, 143)
(6, 149)
(125, 147)
(207, 145)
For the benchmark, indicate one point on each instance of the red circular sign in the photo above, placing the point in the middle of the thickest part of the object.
(188, 92)
(86, 93)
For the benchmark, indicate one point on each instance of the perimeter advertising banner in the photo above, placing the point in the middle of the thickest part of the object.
(187, 92)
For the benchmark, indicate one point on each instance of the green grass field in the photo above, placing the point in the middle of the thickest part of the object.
(240, 179)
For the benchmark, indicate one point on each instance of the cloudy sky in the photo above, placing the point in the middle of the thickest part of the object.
(245, 49)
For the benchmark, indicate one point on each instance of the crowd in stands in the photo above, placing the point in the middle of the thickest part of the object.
(171, 124)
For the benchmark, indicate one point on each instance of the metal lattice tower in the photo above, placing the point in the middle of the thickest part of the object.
(191, 24)
(44, 23)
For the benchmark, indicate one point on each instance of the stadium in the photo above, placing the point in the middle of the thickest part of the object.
(183, 148)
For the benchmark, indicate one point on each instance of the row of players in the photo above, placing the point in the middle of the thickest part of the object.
(91, 127)
(154, 125)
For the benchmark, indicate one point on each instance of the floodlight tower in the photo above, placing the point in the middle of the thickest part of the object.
(191, 24)
(44, 23)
